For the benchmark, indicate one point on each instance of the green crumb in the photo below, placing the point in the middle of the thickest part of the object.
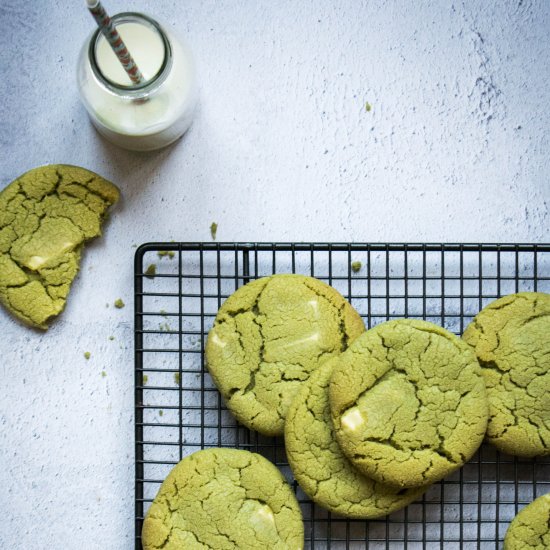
(111, 337)
(165, 327)
(356, 266)
(163, 253)
(87, 355)
(119, 303)
(103, 374)
(145, 378)
(161, 412)
(177, 378)
(163, 312)
(213, 230)
(368, 107)
(151, 271)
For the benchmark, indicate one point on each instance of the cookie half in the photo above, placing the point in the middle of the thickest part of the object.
(320, 466)
(408, 403)
(224, 499)
(46, 216)
(268, 337)
(511, 338)
(530, 529)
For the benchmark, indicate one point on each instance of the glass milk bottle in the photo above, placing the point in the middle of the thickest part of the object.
(145, 116)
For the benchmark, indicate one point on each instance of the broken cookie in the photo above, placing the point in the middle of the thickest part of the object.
(46, 216)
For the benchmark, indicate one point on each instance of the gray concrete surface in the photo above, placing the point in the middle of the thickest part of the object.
(455, 148)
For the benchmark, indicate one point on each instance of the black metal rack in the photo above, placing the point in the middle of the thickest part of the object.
(178, 410)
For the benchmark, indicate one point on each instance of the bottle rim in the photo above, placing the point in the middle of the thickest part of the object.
(132, 89)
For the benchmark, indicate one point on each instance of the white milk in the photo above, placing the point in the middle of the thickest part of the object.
(145, 45)
(151, 115)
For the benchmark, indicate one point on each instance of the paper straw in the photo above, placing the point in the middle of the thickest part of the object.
(115, 41)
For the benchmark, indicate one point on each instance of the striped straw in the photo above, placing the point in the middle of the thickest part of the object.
(115, 41)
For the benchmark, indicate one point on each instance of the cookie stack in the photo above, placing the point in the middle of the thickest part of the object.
(403, 407)
(370, 418)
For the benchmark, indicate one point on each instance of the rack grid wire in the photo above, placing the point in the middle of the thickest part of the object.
(178, 410)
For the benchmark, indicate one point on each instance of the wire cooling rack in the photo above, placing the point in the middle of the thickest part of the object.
(178, 410)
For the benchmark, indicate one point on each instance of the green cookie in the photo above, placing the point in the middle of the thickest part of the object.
(268, 337)
(530, 529)
(511, 337)
(319, 465)
(222, 499)
(408, 403)
(46, 215)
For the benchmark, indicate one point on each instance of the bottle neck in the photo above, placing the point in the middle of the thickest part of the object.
(133, 91)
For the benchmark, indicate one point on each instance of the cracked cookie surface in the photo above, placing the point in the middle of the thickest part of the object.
(223, 499)
(320, 466)
(408, 403)
(46, 215)
(268, 337)
(511, 338)
(530, 529)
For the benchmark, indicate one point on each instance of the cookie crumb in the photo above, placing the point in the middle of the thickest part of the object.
(177, 378)
(151, 271)
(163, 253)
(87, 355)
(356, 266)
(213, 230)
(368, 107)
(119, 303)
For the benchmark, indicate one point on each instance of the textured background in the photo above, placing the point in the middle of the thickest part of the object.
(454, 149)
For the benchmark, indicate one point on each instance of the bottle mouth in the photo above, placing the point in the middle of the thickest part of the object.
(132, 89)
